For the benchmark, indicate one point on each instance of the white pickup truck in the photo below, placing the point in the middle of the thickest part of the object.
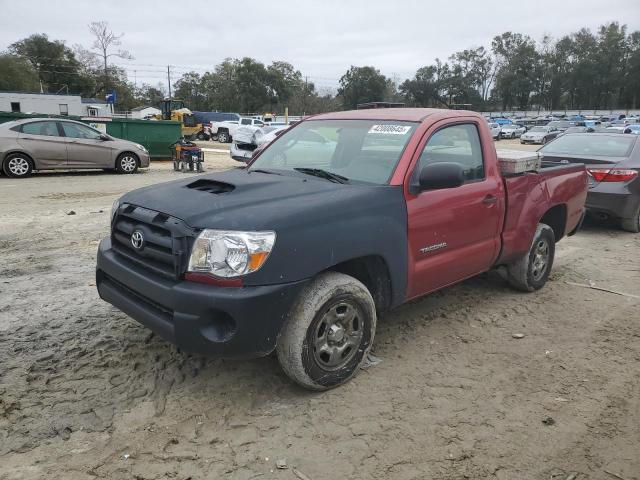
(226, 130)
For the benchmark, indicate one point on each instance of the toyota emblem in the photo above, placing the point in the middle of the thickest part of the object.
(137, 239)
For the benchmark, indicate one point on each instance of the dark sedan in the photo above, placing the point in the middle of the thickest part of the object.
(613, 164)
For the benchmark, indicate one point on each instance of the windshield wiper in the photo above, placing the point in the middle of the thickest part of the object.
(319, 172)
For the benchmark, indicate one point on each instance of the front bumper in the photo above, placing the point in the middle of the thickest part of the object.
(145, 160)
(531, 140)
(215, 321)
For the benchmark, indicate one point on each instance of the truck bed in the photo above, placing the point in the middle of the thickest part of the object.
(530, 195)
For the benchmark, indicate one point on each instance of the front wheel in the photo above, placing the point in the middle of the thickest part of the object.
(17, 165)
(127, 163)
(532, 270)
(328, 332)
(223, 137)
(544, 140)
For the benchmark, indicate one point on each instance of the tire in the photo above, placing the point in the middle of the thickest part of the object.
(306, 350)
(532, 270)
(200, 136)
(544, 141)
(17, 165)
(631, 224)
(127, 163)
(223, 137)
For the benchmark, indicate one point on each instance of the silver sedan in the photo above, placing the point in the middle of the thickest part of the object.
(51, 144)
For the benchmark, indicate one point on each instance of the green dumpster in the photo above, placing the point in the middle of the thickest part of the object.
(156, 135)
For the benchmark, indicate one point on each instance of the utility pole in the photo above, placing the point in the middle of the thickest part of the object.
(304, 97)
(169, 79)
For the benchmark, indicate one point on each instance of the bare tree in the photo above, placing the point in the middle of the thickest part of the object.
(105, 40)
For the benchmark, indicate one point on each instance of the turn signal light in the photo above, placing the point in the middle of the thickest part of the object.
(612, 175)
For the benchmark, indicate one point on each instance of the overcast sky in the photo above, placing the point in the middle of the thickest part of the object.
(320, 38)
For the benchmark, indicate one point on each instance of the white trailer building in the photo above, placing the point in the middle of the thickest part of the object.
(53, 104)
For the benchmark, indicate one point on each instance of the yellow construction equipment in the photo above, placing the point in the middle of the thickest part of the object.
(175, 110)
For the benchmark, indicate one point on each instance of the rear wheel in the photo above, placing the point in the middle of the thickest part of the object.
(532, 270)
(631, 224)
(544, 140)
(223, 137)
(127, 163)
(17, 165)
(328, 332)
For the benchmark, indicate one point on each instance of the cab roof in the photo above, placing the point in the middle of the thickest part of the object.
(400, 114)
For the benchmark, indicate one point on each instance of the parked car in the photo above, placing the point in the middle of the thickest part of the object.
(576, 130)
(615, 129)
(248, 139)
(613, 163)
(301, 251)
(539, 135)
(560, 125)
(634, 129)
(224, 131)
(50, 144)
(495, 130)
(512, 131)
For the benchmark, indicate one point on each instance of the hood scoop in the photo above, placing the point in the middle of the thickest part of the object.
(211, 186)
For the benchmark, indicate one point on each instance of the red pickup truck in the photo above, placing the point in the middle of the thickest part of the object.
(341, 218)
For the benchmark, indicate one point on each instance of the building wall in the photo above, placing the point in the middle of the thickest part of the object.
(49, 104)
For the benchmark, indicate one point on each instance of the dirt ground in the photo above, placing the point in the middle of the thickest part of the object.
(86, 392)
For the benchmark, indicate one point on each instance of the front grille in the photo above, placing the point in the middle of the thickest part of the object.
(165, 240)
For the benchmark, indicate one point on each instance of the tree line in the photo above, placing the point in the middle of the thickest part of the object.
(582, 70)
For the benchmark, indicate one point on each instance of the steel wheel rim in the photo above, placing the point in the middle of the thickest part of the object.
(540, 259)
(338, 335)
(128, 164)
(222, 137)
(18, 166)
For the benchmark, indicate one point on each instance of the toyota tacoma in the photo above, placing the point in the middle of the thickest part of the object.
(340, 219)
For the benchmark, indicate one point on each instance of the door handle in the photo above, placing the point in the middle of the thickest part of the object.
(490, 200)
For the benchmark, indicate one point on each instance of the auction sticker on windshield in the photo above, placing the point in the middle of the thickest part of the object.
(390, 129)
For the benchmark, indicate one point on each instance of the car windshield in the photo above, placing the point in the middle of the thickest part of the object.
(592, 144)
(362, 151)
(538, 129)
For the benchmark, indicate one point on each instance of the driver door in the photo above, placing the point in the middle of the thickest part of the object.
(85, 147)
(454, 233)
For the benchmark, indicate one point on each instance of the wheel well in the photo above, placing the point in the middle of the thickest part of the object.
(18, 152)
(373, 272)
(556, 218)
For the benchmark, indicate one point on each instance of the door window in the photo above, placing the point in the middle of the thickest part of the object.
(15, 107)
(64, 109)
(75, 130)
(46, 129)
(245, 121)
(458, 144)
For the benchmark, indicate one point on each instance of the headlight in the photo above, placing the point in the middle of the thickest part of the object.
(230, 254)
(140, 147)
(114, 209)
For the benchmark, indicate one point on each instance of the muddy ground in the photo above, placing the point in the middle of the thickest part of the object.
(85, 392)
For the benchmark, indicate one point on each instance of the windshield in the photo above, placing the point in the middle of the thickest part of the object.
(590, 144)
(538, 129)
(364, 151)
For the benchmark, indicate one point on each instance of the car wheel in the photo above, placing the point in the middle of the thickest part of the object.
(328, 332)
(223, 137)
(631, 224)
(544, 140)
(532, 270)
(17, 165)
(127, 163)
(200, 136)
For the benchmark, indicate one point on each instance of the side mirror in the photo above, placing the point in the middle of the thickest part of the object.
(441, 175)
(104, 137)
